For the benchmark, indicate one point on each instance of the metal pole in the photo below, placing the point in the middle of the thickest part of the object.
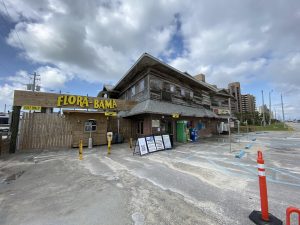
(34, 78)
(229, 134)
(282, 111)
(229, 104)
(263, 108)
(270, 111)
(118, 125)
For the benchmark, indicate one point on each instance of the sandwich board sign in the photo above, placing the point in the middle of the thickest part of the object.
(167, 141)
(159, 142)
(151, 144)
(142, 147)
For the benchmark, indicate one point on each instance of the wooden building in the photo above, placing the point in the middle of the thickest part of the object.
(164, 96)
(151, 98)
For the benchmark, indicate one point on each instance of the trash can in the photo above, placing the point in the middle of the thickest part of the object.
(193, 135)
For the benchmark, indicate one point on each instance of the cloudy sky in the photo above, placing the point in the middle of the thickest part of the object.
(76, 46)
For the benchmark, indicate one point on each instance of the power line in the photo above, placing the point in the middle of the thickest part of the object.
(15, 30)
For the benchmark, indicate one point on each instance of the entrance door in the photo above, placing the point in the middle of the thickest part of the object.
(140, 128)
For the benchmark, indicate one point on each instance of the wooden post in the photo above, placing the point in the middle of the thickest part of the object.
(1, 143)
(14, 127)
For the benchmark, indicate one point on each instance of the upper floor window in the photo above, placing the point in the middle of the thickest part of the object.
(142, 85)
(172, 88)
(182, 92)
(191, 94)
(133, 91)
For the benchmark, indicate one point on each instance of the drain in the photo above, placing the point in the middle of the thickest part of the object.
(14, 176)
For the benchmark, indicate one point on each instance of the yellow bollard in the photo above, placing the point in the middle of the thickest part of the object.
(130, 143)
(109, 139)
(80, 150)
(108, 146)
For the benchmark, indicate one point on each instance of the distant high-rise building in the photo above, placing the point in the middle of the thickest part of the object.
(235, 90)
(248, 103)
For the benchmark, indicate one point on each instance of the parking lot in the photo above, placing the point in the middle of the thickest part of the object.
(195, 183)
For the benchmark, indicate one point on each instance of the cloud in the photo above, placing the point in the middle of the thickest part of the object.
(53, 79)
(97, 40)
(250, 41)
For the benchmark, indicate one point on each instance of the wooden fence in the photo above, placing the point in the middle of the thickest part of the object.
(44, 131)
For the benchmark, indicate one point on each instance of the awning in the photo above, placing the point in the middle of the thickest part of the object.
(166, 108)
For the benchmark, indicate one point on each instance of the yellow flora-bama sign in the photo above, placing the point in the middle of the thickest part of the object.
(32, 107)
(175, 115)
(83, 101)
(110, 113)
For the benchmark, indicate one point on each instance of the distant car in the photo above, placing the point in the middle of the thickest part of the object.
(4, 130)
(4, 122)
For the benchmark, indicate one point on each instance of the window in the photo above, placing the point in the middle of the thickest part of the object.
(133, 91)
(172, 88)
(182, 92)
(142, 85)
(90, 126)
(4, 120)
(191, 94)
(140, 127)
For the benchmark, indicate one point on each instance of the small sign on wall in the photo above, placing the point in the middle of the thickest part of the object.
(32, 108)
(175, 115)
(155, 123)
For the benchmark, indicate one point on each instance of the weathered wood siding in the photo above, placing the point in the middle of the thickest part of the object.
(44, 131)
(77, 121)
(125, 127)
(141, 93)
(160, 89)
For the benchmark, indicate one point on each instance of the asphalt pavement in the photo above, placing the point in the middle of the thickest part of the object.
(195, 183)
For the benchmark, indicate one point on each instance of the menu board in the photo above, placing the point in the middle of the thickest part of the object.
(159, 142)
(167, 141)
(151, 144)
(142, 146)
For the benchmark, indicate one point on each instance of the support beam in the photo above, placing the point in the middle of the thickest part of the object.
(14, 127)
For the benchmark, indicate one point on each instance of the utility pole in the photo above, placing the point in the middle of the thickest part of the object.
(229, 132)
(263, 108)
(34, 81)
(34, 86)
(270, 111)
(4, 108)
(282, 111)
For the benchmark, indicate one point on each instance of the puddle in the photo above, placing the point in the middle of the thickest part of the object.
(14, 177)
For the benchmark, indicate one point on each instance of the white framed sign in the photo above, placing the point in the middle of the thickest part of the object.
(151, 144)
(167, 142)
(142, 146)
(159, 142)
(155, 123)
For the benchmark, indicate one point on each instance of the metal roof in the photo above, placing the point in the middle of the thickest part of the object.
(146, 61)
(166, 108)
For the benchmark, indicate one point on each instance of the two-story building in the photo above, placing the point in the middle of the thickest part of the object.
(165, 97)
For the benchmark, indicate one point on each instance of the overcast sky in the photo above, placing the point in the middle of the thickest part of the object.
(76, 46)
